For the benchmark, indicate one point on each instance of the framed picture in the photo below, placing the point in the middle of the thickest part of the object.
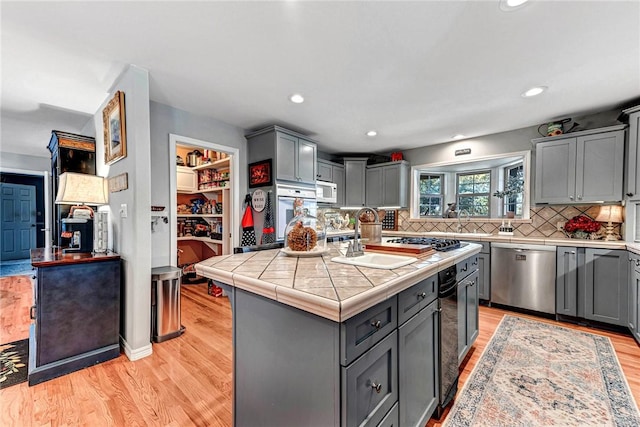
(260, 174)
(115, 135)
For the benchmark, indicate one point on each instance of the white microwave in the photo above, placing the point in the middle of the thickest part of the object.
(326, 192)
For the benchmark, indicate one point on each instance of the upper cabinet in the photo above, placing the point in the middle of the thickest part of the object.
(354, 171)
(580, 167)
(294, 155)
(633, 154)
(387, 184)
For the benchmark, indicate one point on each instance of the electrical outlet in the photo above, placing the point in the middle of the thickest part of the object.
(560, 225)
(123, 210)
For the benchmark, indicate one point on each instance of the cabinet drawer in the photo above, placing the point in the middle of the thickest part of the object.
(466, 267)
(362, 331)
(370, 384)
(391, 419)
(417, 297)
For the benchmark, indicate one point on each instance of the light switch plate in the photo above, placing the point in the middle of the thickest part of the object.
(123, 210)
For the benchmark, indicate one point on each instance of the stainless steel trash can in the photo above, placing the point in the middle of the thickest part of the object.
(165, 303)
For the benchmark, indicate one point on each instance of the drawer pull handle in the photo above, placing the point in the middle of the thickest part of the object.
(376, 324)
(422, 295)
(32, 312)
(376, 387)
(464, 269)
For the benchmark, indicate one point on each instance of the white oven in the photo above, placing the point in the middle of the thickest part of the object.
(291, 199)
(326, 192)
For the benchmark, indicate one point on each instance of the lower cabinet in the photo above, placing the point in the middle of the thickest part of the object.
(484, 273)
(418, 366)
(468, 315)
(634, 296)
(593, 284)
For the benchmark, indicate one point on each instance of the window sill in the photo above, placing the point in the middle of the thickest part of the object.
(455, 220)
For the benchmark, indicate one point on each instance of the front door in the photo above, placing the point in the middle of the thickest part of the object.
(18, 220)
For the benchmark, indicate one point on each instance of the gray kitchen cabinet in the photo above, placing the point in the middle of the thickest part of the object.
(339, 181)
(633, 153)
(391, 419)
(634, 295)
(567, 280)
(484, 273)
(294, 155)
(325, 170)
(418, 351)
(580, 167)
(355, 180)
(600, 280)
(387, 184)
(468, 313)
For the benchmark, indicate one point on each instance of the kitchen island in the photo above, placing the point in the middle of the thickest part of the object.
(317, 342)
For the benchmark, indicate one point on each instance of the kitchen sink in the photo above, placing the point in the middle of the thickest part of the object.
(383, 261)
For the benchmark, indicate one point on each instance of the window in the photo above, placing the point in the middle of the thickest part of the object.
(473, 191)
(514, 202)
(431, 191)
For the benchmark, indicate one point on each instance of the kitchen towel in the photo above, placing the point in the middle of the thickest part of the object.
(268, 231)
(248, 233)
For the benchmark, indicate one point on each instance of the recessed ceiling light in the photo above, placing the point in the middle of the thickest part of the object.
(372, 133)
(296, 98)
(509, 5)
(458, 136)
(537, 90)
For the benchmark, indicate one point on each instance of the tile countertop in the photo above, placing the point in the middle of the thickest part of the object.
(320, 286)
(582, 243)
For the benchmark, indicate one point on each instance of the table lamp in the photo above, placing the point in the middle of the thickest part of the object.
(80, 190)
(610, 214)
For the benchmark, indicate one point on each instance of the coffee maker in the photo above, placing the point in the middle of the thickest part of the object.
(77, 231)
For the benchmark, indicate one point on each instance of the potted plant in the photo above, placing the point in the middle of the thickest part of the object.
(513, 187)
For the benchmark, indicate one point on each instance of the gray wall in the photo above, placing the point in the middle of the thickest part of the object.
(167, 120)
(130, 236)
(24, 162)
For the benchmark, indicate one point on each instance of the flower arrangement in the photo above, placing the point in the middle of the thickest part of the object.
(582, 227)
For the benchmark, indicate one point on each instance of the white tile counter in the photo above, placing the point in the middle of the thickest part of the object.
(320, 286)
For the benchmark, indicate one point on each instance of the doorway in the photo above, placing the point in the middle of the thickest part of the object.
(23, 214)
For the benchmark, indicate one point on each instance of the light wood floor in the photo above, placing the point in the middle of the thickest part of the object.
(187, 381)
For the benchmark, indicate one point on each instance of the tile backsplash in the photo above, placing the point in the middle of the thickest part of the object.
(543, 223)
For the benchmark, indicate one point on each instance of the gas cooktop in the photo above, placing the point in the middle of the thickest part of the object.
(437, 244)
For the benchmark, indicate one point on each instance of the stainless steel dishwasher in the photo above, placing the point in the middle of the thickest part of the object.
(524, 276)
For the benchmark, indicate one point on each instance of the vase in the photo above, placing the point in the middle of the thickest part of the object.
(580, 234)
(511, 214)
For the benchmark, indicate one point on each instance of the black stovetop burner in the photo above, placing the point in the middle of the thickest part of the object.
(437, 244)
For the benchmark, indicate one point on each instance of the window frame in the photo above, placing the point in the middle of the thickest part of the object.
(440, 195)
(474, 195)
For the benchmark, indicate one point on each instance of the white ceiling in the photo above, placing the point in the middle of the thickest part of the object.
(417, 72)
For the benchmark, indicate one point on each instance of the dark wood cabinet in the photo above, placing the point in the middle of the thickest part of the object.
(69, 153)
(76, 313)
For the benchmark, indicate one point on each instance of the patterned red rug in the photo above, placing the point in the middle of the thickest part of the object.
(536, 374)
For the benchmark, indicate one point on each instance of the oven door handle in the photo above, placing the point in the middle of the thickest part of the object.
(445, 292)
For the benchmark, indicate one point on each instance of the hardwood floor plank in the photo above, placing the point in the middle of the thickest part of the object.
(187, 381)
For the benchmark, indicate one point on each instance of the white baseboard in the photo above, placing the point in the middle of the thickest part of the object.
(138, 353)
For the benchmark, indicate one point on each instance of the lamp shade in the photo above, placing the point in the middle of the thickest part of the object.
(611, 213)
(81, 188)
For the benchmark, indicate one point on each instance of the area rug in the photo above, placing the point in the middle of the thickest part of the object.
(15, 268)
(536, 374)
(14, 360)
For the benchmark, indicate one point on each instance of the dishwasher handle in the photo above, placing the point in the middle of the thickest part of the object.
(521, 247)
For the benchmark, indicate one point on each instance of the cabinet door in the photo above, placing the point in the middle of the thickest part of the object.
(338, 180)
(418, 367)
(633, 157)
(556, 171)
(567, 281)
(325, 172)
(354, 182)
(370, 384)
(395, 185)
(473, 320)
(286, 161)
(599, 167)
(462, 321)
(606, 287)
(484, 276)
(306, 162)
(374, 187)
(634, 296)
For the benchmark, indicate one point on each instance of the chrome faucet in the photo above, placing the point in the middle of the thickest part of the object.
(355, 248)
(466, 212)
